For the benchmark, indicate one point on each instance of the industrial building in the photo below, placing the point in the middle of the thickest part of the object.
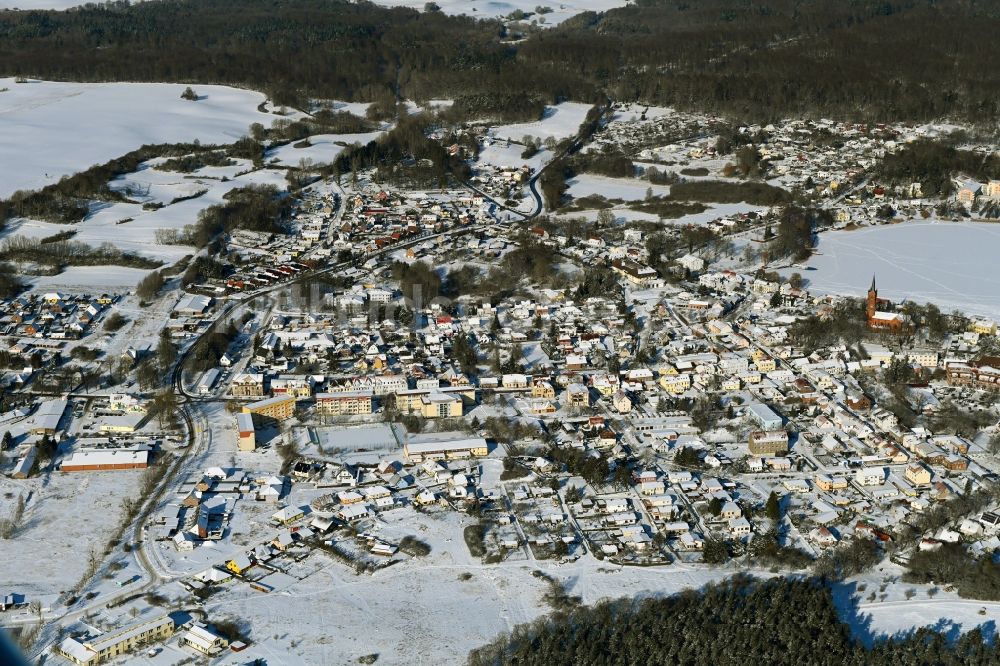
(100, 460)
(445, 450)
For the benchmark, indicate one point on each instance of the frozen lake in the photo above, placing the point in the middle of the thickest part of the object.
(951, 264)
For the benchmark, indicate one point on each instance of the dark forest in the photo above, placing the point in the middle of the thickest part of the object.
(864, 60)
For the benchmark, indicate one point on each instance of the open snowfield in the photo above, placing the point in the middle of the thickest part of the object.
(713, 212)
(559, 121)
(67, 516)
(951, 264)
(324, 148)
(50, 129)
(422, 611)
(871, 621)
(493, 9)
(627, 189)
(131, 229)
(88, 278)
(500, 154)
(488, 9)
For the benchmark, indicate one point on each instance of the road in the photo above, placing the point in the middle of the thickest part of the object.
(196, 422)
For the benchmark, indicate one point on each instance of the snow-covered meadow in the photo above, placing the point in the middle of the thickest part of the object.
(558, 122)
(130, 228)
(324, 149)
(711, 213)
(52, 129)
(951, 264)
(626, 189)
(503, 8)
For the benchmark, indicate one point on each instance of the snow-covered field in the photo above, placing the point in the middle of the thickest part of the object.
(324, 148)
(66, 517)
(373, 614)
(423, 611)
(50, 129)
(713, 212)
(131, 229)
(627, 189)
(893, 613)
(500, 154)
(493, 8)
(559, 121)
(89, 278)
(489, 9)
(951, 264)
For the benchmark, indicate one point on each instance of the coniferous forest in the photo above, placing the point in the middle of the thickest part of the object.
(738, 622)
(860, 59)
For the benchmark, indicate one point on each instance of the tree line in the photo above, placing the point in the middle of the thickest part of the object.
(70, 253)
(68, 200)
(933, 164)
(760, 60)
(740, 620)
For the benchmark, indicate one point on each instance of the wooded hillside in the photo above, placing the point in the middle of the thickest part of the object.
(861, 59)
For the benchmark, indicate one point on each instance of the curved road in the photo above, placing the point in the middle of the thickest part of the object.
(199, 437)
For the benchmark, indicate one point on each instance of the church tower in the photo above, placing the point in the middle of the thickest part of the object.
(871, 304)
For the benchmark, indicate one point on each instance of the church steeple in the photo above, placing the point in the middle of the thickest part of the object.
(871, 303)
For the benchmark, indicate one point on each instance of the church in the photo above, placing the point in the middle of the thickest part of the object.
(881, 320)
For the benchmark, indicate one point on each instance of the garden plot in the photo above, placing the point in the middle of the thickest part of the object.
(544, 522)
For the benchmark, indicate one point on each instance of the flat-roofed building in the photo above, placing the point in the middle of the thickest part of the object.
(279, 408)
(445, 449)
(768, 442)
(764, 416)
(246, 432)
(121, 423)
(440, 405)
(428, 402)
(104, 460)
(344, 403)
(111, 644)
